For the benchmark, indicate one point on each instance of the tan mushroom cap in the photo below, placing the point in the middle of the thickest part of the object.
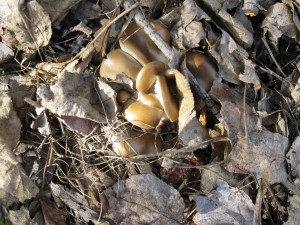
(166, 99)
(142, 115)
(119, 62)
(202, 68)
(136, 42)
(141, 145)
(147, 75)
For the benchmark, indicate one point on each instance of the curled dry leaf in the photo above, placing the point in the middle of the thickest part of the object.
(254, 150)
(75, 95)
(52, 215)
(190, 129)
(226, 206)
(27, 29)
(142, 199)
(293, 210)
(238, 30)
(279, 22)
(234, 65)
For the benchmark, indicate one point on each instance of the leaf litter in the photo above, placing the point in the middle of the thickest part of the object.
(63, 139)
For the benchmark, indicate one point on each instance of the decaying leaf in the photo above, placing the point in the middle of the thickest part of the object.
(10, 125)
(77, 203)
(211, 174)
(296, 92)
(226, 206)
(25, 26)
(143, 199)
(234, 65)
(254, 150)
(75, 95)
(5, 52)
(15, 185)
(279, 22)
(238, 30)
(52, 215)
(293, 158)
(293, 210)
(19, 217)
(190, 129)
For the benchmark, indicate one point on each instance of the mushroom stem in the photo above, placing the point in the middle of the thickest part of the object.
(167, 51)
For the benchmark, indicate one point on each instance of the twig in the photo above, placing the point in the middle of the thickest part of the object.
(167, 51)
(272, 56)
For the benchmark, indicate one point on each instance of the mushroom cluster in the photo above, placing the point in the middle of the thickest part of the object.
(141, 60)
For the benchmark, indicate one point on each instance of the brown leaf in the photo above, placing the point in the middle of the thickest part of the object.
(254, 150)
(232, 59)
(279, 22)
(52, 215)
(143, 199)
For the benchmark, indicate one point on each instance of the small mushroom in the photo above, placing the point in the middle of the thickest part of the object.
(119, 62)
(166, 99)
(202, 68)
(136, 42)
(142, 115)
(142, 145)
(147, 75)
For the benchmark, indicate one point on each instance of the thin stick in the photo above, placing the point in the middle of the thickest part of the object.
(272, 56)
(167, 51)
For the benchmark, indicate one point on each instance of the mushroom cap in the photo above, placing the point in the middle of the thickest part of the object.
(141, 145)
(147, 75)
(142, 115)
(166, 99)
(119, 62)
(136, 42)
(202, 68)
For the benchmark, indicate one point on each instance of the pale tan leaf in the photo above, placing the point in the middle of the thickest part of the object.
(143, 199)
(5, 52)
(226, 205)
(15, 185)
(26, 30)
(10, 125)
(190, 129)
(19, 217)
(75, 95)
(293, 158)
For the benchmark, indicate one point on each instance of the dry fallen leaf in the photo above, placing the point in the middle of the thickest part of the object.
(75, 95)
(77, 203)
(293, 158)
(254, 150)
(10, 125)
(5, 52)
(26, 29)
(19, 217)
(15, 185)
(234, 65)
(190, 129)
(279, 22)
(142, 199)
(226, 206)
(52, 215)
(293, 210)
